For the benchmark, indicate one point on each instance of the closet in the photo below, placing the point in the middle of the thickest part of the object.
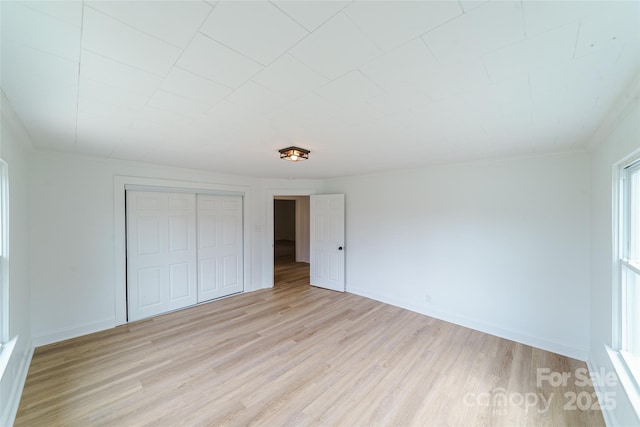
(182, 249)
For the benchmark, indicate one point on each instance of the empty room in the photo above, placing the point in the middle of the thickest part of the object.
(322, 212)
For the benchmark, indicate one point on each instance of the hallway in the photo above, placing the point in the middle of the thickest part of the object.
(287, 272)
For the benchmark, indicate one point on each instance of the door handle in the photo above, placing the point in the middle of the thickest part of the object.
(340, 248)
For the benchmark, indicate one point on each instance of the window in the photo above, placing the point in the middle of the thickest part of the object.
(629, 266)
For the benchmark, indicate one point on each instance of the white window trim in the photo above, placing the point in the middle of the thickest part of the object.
(4, 249)
(626, 378)
(6, 346)
(624, 364)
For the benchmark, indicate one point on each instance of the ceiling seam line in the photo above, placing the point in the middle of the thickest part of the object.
(362, 33)
(575, 44)
(203, 77)
(75, 144)
(134, 28)
(231, 49)
(28, 6)
(120, 62)
(193, 36)
(289, 16)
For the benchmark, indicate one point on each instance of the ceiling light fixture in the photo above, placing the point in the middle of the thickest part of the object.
(294, 154)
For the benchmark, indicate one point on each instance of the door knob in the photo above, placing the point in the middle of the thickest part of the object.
(340, 248)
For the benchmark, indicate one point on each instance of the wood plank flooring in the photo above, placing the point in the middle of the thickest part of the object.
(296, 356)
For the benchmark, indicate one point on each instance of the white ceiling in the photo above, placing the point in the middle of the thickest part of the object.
(365, 85)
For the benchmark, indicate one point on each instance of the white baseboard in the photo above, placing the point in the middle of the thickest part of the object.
(258, 286)
(607, 414)
(486, 327)
(9, 412)
(62, 334)
(51, 337)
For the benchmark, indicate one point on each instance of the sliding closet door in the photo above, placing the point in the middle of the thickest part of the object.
(220, 270)
(161, 252)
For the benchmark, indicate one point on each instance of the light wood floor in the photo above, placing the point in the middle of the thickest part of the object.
(295, 355)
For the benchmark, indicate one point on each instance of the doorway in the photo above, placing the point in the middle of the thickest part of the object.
(291, 241)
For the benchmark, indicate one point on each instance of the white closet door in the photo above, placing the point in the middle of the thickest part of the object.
(219, 246)
(161, 252)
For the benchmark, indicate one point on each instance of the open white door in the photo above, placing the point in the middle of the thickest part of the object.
(161, 252)
(327, 241)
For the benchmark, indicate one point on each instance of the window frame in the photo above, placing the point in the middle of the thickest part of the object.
(627, 367)
(623, 248)
(4, 253)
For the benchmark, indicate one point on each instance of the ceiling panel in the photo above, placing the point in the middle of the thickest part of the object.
(468, 5)
(235, 115)
(554, 47)
(168, 101)
(155, 130)
(134, 144)
(216, 62)
(105, 109)
(289, 76)
(543, 16)
(405, 66)
(118, 118)
(357, 113)
(453, 78)
(258, 30)
(32, 28)
(446, 81)
(477, 32)
(189, 85)
(51, 133)
(447, 119)
(399, 100)
(311, 14)
(608, 26)
(102, 69)
(51, 111)
(106, 36)
(389, 24)
(43, 92)
(317, 110)
(547, 84)
(505, 96)
(23, 65)
(113, 95)
(547, 89)
(289, 128)
(172, 21)
(335, 48)
(161, 119)
(97, 134)
(67, 11)
(352, 87)
(254, 97)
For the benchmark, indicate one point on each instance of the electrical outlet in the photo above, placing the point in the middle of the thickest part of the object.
(427, 298)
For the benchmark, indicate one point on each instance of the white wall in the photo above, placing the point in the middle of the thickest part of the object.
(498, 246)
(622, 140)
(72, 237)
(15, 148)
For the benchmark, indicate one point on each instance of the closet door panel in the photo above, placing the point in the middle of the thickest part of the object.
(161, 252)
(219, 246)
